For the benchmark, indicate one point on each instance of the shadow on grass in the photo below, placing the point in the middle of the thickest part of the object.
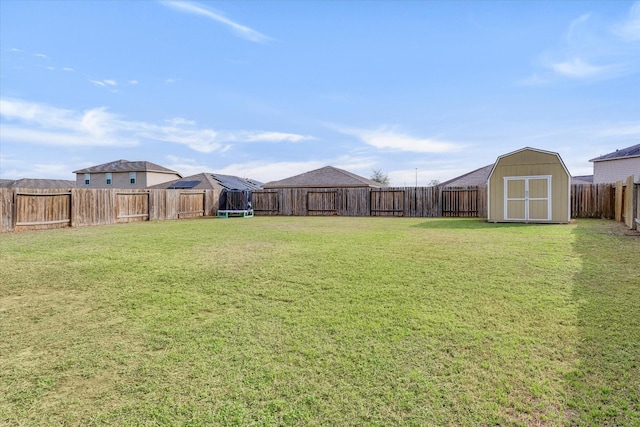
(470, 224)
(603, 388)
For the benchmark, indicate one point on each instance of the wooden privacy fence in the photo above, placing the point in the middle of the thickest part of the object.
(618, 201)
(22, 209)
(391, 201)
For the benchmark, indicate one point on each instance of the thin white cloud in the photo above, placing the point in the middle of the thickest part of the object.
(179, 121)
(186, 166)
(200, 10)
(41, 124)
(275, 137)
(592, 51)
(356, 164)
(275, 171)
(44, 125)
(576, 23)
(578, 68)
(14, 169)
(385, 138)
(629, 30)
(104, 83)
(41, 55)
(67, 69)
(535, 80)
(201, 140)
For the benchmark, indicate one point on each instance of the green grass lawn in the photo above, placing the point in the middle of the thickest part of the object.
(321, 321)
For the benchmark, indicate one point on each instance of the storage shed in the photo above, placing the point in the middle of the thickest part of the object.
(529, 185)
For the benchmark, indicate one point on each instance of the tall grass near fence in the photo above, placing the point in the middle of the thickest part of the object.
(321, 321)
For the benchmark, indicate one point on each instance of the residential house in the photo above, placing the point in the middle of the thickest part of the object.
(617, 166)
(124, 174)
(210, 181)
(326, 177)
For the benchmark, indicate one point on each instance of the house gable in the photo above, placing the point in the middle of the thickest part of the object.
(326, 177)
(124, 174)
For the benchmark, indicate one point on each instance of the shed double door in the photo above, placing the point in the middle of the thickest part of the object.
(527, 198)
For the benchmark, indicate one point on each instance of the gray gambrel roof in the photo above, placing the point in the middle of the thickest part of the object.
(127, 166)
(624, 153)
(208, 181)
(326, 177)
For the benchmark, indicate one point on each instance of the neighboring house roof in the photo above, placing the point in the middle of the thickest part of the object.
(476, 177)
(208, 181)
(480, 177)
(37, 183)
(624, 153)
(582, 179)
(326, 177)
(127, 166)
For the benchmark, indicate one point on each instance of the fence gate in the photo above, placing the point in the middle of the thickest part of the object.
(460, 203)
(387, 203)
(191, 205)
(322, 202)
(39, 210)
(265, 202)
(132, 207)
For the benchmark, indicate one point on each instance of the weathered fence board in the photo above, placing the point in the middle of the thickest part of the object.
(628, 214)
(463, 201)
(636, 197)
(6, 209)
(593, 201)
(265, 202)
(132, 206)
(38, 209)
(322, 202)
(92, 207)
(191, 204)
(387, 202)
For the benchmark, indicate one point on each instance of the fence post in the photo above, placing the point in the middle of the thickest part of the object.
(635, 217)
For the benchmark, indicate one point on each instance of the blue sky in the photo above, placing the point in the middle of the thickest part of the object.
(271, 89)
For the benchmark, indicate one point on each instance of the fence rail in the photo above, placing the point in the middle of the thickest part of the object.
(27, 209)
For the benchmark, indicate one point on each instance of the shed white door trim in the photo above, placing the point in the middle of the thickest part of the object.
(527, 198)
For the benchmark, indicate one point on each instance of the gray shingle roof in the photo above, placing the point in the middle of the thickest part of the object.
(127, 166)
(326, 177)
(37, 183)
(476, 177)
(582, 179)
(480, 177)
(633, 151)
(208, 181)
